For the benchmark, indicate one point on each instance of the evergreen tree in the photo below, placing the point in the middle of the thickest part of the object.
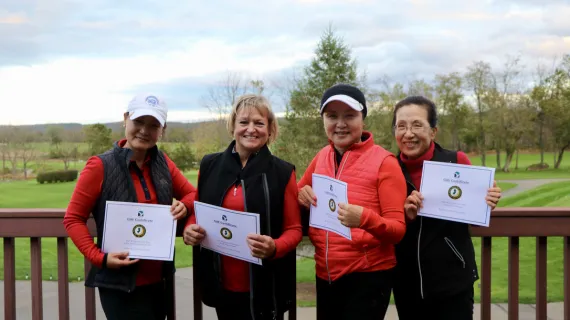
(302, 132)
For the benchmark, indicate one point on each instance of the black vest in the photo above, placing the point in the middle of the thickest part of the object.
(118, 186)
(264, 180)
(446, 263)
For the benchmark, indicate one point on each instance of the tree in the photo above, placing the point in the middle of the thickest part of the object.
(221, 98)
(176, 135)
(202, 138)
(183, 156)
(28, 151)
(449, 100)
(98, 138)
(66, 153)
(477, 79)
(380, 111)
(4, 140)
(557, 107)
(511, 110)
(420, 88)
(55, 135)
(303, 133)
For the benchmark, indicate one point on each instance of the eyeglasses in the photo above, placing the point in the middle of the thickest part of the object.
(415, 128)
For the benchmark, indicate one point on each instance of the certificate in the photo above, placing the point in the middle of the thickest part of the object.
(146, 231)
(329, 192)
(227, 230)
(456, 192)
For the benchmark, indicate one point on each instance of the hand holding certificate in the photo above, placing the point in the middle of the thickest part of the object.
(456, 192)
(329, 192)
(227, 230)
(146, 231)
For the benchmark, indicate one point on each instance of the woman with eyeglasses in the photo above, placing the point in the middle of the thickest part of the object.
(436, 261)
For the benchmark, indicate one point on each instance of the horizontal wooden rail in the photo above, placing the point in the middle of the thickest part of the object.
(512, 223)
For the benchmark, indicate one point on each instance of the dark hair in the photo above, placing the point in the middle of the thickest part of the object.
(420, 101)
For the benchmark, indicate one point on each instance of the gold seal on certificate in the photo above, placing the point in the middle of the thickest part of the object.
(139, 231)
(332, 205)
(226, 233)
(454, 192)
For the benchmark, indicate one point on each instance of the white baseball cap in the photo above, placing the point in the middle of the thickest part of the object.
(148, 105)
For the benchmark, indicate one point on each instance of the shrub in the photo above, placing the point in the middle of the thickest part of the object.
(57, 176)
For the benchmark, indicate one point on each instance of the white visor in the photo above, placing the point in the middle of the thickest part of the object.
(351, 102)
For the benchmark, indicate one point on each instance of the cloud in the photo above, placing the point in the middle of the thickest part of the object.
(71, 60)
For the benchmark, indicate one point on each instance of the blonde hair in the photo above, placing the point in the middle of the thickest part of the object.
(259, 103)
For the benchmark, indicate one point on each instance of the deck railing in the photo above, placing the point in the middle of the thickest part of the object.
(513, 223)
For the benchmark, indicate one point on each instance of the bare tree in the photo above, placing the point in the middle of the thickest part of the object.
(221, 97)
(28, 153)
(478, 78)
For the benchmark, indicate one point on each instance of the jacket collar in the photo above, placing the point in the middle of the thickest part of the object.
(231, 161)
(126, 154)
(366, 141)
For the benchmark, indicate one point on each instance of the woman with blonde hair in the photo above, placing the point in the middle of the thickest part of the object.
(247, 177)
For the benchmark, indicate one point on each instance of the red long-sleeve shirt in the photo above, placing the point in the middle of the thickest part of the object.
(235, 272)
(88, 190)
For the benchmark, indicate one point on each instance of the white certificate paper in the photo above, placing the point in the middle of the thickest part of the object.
(227, 230)
(146, 231)
(456, 192)
(329, 192)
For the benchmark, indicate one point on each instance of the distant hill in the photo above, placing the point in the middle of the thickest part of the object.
(115, 126)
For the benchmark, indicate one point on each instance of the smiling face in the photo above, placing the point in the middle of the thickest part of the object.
(142, 133)
(251, 130)
(413, 132)
(343, 125)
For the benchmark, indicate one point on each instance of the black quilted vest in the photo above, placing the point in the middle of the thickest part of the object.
(118, 186)
(436, 257)
(264, 180)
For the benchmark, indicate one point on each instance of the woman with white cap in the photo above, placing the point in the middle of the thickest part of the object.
(133, 170)
(354, 277)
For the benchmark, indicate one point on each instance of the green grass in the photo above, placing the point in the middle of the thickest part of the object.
(525, 160)
(506, 185)
(556, 194)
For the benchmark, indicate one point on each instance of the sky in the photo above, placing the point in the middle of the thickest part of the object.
(82, 61)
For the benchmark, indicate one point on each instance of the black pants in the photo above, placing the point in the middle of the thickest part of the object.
(412, 306)
(235, 306)
(144, 303)
(359, 295)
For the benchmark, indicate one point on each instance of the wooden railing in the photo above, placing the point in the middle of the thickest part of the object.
(513, 223)
(524, 222)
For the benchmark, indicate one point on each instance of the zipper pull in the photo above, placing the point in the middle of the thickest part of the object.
(235, 191)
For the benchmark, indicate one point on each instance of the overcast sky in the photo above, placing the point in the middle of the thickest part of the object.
(81, 61)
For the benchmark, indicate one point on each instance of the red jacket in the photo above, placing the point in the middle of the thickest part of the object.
(375, 182)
